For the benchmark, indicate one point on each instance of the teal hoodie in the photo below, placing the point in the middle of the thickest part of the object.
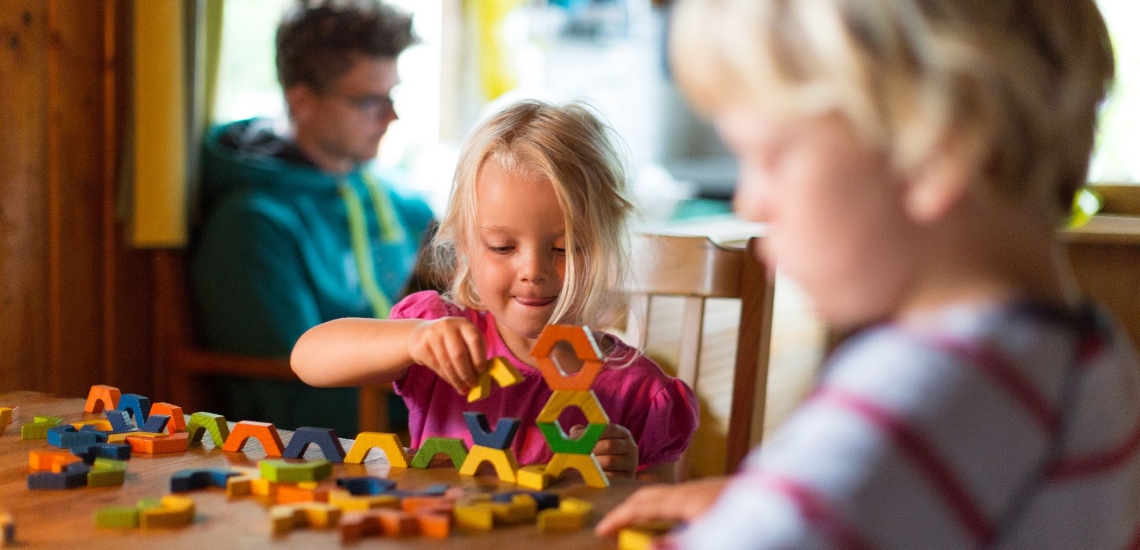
(275, 257)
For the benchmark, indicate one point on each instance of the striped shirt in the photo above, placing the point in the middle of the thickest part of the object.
(1012, 426)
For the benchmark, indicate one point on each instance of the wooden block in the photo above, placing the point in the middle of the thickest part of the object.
(366, 485)
(480, 390)
(89, 453)
(414, 505)
(153, 444)
(532, 477)
(177, 418)
(434, 525)
(264, 432)
(199, 478)
(5, 419)
(587, 465)
(577, 506)
(324, 438)
(50, 461)
(481, 434)
(559, 521)
(357, 525)
(521, 509)
(397, 523)
(7, 528)
(302, 492)
(73, 475)
(204, 422)
(239, 486)
(39, 427)
(585, 348)
(348, 502)
(286, 472)
(101, 397)
(106, 472)
(100, 424)
(286, 517)
(156, 423)
(503, 461)
(474, 517)
(122, 437)
(635, 539)
(389, 444)
(65, 436)
(117, 517)
(264, 488)
(560, 442)
(120, 421)
(175, 511)
(585, 400)
(135, 405)
(453, 447)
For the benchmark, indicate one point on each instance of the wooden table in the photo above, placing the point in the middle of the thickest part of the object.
(66, 518)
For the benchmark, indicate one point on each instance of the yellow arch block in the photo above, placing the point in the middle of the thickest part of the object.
(501, 371)
(389, 444)
(502, 459)
(585, 400)
(587, 465)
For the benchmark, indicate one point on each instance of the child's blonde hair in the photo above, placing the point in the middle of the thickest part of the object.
(1017, 82)
(571, 148)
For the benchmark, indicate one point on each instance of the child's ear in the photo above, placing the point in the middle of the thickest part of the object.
(941, 182)
(299, 98)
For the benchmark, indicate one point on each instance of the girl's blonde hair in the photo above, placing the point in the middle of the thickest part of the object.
(1017, 82)
(571, 148)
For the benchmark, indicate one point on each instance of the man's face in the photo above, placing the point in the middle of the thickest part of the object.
(345, 122)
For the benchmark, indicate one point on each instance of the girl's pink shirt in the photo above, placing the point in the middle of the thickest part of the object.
(660, 411)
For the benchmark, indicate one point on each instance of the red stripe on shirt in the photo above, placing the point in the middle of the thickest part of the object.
(1097, 463)
(923, 455)
(814, 508)
(1007, 376)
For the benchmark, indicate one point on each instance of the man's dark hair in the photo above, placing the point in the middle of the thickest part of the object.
(317, 40)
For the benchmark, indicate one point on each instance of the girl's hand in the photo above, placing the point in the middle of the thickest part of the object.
(616, 450)
(452, 347)
(683, 502)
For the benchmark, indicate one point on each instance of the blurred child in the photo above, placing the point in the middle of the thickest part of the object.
(912, 159)
(536, 232)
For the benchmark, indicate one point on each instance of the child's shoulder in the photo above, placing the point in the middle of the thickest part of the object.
(428, 305)
(630, 364)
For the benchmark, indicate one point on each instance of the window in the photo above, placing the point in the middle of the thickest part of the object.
(1117, 156)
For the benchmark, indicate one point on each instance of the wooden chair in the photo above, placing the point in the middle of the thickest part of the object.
(697, 269)
(185, 369)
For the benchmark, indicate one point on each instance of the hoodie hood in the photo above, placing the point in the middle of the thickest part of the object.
(250, 154)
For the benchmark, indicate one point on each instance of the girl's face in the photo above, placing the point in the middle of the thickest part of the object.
(834, 207)
(517, 254)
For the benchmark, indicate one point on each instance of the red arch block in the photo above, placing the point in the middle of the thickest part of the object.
(263, 432)
(102, 397)
(585, 348)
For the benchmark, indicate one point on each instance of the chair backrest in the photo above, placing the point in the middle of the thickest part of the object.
(696, 269)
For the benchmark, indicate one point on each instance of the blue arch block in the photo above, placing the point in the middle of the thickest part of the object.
(481, 432)
(135, 404)
(324, 438)
(120, 421)
(192, 480)
(366, 485)
(156, 423)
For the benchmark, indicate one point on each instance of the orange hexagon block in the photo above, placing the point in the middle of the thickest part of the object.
(580, 338)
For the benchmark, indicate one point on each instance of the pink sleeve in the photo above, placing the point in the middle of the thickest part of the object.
(672, 418)
(426, 305)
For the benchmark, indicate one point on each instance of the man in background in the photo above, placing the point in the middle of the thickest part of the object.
(299, 229)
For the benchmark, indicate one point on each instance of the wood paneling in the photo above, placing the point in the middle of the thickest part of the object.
(75, 302)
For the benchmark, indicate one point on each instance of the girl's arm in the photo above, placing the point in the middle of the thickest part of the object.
(666, 472)
(351, 352)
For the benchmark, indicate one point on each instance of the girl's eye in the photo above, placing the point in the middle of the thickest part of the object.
(561, 251)
(501, 249)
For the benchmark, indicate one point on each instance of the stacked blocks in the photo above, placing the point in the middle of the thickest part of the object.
(100, 398)
(73, 475)
(264, 432)
(324, 438)
(135, 405)
(50, 461)
(493, 447)
(39, 427)
(453, 447)
(501, 371)
(570, 391)
(389, 444)
(215, 424)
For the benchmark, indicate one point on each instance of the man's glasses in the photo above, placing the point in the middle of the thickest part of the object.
(371, 105)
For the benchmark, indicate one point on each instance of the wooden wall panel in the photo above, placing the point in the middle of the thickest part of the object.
(23, 202)
(1110, 274)
(75, 300)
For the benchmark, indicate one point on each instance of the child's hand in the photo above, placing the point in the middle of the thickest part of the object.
(452, 347)
(682, 502)
(616, 450)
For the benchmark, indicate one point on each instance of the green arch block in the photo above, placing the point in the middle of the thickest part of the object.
(561, 443)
